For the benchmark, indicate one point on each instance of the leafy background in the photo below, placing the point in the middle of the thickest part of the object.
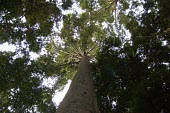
(128, 43)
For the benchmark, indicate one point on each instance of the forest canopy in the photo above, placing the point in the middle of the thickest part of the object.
(127, 41)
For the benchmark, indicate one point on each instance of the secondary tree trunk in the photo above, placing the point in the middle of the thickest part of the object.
(80, 97)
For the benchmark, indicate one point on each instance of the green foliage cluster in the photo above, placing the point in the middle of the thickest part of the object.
(21, 88)
(24, 24)
(134, 77)
(27, 20)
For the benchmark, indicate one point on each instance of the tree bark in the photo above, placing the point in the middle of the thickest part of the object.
(80, 97)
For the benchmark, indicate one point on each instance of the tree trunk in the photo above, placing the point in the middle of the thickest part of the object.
(80, 97)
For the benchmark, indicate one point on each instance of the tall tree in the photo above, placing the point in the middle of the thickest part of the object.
(82, 35)
(26, 25)
(131, 75)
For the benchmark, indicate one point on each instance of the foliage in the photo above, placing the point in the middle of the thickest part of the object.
(21, 84)
(26, 20)
(131, 74)
(26, 24)
(134, 77)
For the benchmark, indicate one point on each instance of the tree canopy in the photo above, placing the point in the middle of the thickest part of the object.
(26, 24)
(133, 77)
(128, 43)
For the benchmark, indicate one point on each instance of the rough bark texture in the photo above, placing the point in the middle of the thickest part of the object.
(80, 97)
